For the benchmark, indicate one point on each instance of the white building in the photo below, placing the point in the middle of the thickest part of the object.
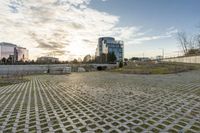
(46, 59)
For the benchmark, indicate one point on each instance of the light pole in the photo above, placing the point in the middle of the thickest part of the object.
(163, 52)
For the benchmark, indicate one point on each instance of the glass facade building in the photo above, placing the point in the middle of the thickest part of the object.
(22, 54)
(110, 45)
(13, 52)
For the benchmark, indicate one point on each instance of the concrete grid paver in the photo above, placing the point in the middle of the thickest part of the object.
(102, 102)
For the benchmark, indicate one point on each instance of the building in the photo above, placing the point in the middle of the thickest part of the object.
(12, 53)
(22, 54)
(45, 59)
(108, 45)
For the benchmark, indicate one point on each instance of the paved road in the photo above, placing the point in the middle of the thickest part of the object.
(102, 102)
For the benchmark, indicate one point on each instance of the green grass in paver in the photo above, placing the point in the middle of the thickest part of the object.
(155, 130)
(197, 124)
(161, 126)
(182, 124)
(101, 123)
(56, 126)
(98, 131)
(113, 131)
(9, 130)
(136, 121)
(107, 127)
(122, 128)
(79, 125)
(69, 128)
(166, 122)
(122, 120)
(142, 118)
(96, 119)
(145, 126)
(32, 129)
(75, 121)
(195, 128)
(109, 120)
(92, 126)
(139, 105)
(170, 119)
(83, 129)
(139, 130)
(58, 131)
(73, 132)
(129, 118)
(156, 119)
(172, 131)
(44, 130)
(178, 127)
(129, 125)
(115, 124)
(189, 131)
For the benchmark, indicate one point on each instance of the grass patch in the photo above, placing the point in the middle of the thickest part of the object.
(10, 80)
(156, 68)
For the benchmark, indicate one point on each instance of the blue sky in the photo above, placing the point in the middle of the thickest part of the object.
(156, 16)
(153, 13)
(70, 29)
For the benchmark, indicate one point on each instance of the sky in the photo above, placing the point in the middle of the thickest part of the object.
(70, 29)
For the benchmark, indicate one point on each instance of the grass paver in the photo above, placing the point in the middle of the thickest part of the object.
(99, 102)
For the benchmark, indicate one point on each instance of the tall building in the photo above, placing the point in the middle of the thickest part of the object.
(22, 54)
(108, 45)
(12, 52)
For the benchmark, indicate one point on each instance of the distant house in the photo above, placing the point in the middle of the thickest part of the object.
(45, 59)
(159, 57)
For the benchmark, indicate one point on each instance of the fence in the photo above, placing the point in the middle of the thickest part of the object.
(191, 59)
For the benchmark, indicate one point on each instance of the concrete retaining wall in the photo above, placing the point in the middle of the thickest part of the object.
(191, 59)
(55, 68)
(31, 69)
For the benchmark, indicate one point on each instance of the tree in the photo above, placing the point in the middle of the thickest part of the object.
(3, 60)
(198, 40)
(75, 61)
(10, 59)
(192, 43)
(111, 57)
(121, 64)
(87, 58)
(125, 59)
(182, 39)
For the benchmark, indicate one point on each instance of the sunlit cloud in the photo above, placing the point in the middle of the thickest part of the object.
(64, 28)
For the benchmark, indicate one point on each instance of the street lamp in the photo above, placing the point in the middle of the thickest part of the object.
(163, 53)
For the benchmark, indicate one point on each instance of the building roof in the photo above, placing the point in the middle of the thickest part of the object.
(47, 57)
(21, 47)
(7, 44)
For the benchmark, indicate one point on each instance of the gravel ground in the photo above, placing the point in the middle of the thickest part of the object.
(102, 102)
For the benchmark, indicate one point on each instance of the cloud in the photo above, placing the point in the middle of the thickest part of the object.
(64, 27)
(136, 35)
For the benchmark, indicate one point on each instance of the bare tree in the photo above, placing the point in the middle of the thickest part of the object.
(182, 39)
(198, 37)
(192, 43)
(198, 40)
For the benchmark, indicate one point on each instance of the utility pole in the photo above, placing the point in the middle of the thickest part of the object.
(163, 52)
